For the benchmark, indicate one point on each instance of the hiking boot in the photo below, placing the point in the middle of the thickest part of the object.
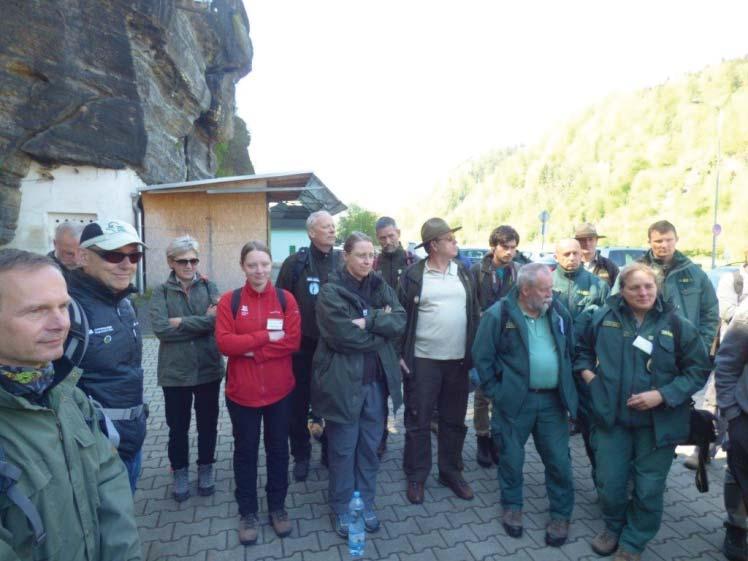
(206, 482)
(301, 470)
(623, 555)
(512, 522)
(181, 484)
(459, 487)
(556, 532)
(371, 522)
(604, 543)
(483, 454)
(248, 529)
(280, 522)
(734, 547)
(415, 492)
(340, 523)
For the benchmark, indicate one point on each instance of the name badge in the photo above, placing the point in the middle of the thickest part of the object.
(275, 321)
(643, 345)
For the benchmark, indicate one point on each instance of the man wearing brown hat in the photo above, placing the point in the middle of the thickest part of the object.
(443, 313)
(587, 236)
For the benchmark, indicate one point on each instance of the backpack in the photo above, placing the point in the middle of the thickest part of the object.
(9, 474)
(236, 297)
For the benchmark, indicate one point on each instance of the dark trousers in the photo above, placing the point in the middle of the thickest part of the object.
(737, 453)
(444, 384)
(298, 432)
(353, 460)
(178, 409)
(245, 422)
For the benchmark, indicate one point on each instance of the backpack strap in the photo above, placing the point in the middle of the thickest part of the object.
(302, 258)
(236, 297)
(9, 475)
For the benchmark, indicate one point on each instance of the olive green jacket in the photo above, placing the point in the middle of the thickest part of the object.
(187, 355)
(678, 365)
(337, 368)
(71, 474)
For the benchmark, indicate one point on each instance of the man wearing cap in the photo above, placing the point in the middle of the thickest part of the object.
(112, 373)
(64, 493)
(587, 236)
(442, 312)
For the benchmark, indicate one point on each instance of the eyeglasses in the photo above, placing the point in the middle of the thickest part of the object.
(447, 239)
(115, 257)
(185, 262)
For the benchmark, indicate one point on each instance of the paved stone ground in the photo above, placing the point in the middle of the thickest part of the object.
(444, 528)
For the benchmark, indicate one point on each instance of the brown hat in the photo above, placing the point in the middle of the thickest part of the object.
(433, 228)
(586, 230)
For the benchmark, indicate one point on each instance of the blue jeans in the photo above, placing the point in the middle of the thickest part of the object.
(352, 452)
(133, 466)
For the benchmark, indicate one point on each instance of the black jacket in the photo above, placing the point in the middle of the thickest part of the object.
(486, 285)
(392, 265)
(605, 269)
(409, 294)
(112, 371)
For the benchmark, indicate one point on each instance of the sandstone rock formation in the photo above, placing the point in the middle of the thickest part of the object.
(144, 84)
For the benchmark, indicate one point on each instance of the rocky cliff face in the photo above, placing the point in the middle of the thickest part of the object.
(144, 84)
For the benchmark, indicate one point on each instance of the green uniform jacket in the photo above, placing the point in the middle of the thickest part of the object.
(409, 293)
(579, 291)
(337, 368)
(679, 365)
(502, 357)
(72, 475)
(689, 289)
(187, 355)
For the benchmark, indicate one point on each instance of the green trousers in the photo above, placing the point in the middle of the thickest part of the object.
(543, 415)
(622, 453)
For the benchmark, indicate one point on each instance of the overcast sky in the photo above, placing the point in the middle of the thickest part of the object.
(383, 99)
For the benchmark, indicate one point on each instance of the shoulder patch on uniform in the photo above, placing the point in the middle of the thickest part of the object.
(666, 333)
(610, 323)
(510, 325)
(685, 279)
(583, 292)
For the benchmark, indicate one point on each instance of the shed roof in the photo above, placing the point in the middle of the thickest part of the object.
(303, 186)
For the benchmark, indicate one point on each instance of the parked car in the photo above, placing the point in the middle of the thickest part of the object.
(622, 256)
(547, 258)
(472, 255)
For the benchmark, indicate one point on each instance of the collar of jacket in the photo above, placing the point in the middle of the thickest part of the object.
(175, 284)
(318, 254)
(399, 251)
(559, 324)
(571, 275)
(678, 263)
(64, 370)
(95, 287)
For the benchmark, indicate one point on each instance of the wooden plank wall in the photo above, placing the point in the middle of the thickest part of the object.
(221, 223)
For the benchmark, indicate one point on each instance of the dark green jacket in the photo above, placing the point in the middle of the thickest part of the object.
(689, 289)
(73, 477)
(337, 368)
(502, 355)
(187, 355)
(579, 291)
(409, 293)
(679, 365)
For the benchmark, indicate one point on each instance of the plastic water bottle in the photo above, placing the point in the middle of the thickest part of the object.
(356, 533)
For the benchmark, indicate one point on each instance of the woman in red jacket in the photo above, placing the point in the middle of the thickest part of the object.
(258, 328)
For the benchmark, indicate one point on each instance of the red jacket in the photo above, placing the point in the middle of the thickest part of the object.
(267, 377)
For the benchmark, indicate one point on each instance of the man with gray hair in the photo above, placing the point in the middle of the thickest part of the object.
(522, 352)
(302, 274)
(66, 245)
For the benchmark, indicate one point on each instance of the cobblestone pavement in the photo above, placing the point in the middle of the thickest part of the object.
(444, 528)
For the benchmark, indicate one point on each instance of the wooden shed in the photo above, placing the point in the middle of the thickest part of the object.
(222, 214)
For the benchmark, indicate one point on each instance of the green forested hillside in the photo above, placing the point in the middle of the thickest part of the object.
(623, 163)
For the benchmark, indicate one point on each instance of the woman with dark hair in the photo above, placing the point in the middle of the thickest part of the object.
(641, 362)
(183, 315)
(258, 328)
(356, 366)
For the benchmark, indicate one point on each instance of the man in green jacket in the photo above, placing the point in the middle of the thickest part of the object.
(65, 492)
(523, 352)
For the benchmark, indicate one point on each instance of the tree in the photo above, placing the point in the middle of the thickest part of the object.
(357, 219)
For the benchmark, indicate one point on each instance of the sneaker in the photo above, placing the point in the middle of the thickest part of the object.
(206, 482)
(280, 522)
(604, 543)
(340, 523)
(371, 522)
(556, 532)
(300, 470)
(181, 484)
(512, 522)
(623, 555)
(248, 529)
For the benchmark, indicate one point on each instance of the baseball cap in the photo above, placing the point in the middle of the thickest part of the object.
(109, 235)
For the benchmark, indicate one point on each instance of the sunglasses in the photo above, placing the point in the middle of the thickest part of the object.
(185, 262)
(115, 257)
